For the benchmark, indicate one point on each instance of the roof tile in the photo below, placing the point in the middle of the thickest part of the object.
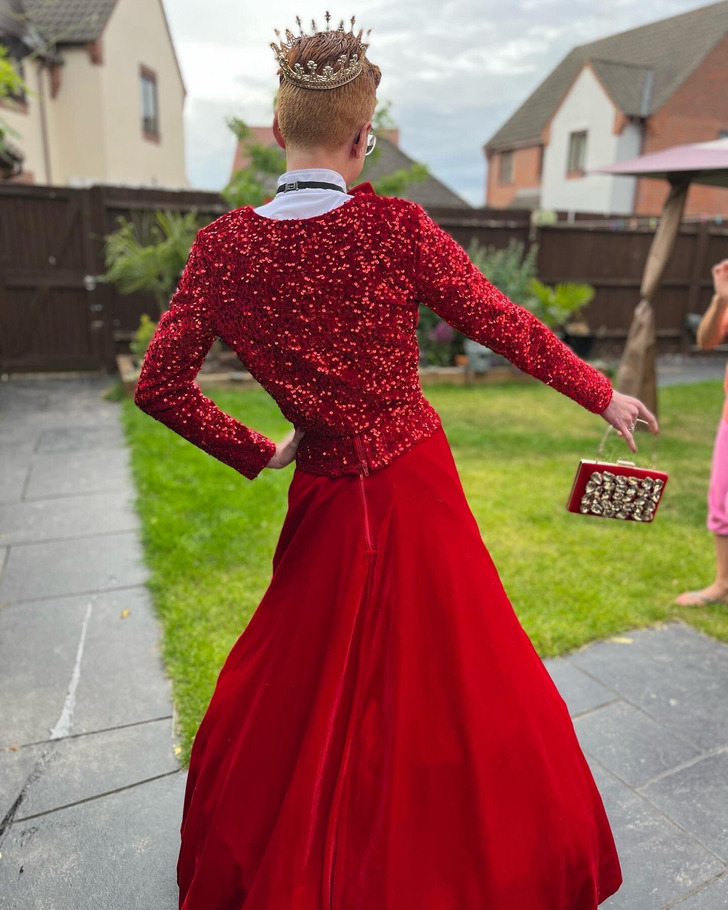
(69, 21)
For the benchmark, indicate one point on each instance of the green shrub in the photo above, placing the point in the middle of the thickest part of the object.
(143, 335)
(510, 268)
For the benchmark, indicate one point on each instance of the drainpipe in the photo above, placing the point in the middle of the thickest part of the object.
(44, 125)
(643, 115)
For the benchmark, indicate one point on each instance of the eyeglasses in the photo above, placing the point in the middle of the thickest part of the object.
(371, 143)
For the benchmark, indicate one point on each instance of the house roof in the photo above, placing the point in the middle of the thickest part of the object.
(429, 192)
(63, 22)
(70, 21)
(671, 48)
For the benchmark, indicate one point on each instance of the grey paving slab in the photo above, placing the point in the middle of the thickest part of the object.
(120, 675)
(67, 517)
(713, 896)
(675, 673)
(660, 862)
(16, 441)
(57, 568)
(630, 743)
(696, 797)
(34, 395)
(117, 852)
(14, 471)
(82, 767)
(80, 439)
(37, 652)
(579, 690)
(66, 473)
(682, 370)
(15, 766)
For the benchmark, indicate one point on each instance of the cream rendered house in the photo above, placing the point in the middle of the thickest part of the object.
(107, 96)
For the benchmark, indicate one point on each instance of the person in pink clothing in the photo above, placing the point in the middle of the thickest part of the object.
(713, 329)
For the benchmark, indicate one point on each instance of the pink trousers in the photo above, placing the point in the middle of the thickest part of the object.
(718, 490)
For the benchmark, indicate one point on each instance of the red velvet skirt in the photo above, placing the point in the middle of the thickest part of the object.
(383, 735)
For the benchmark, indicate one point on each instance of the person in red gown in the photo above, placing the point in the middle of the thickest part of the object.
(383, 735)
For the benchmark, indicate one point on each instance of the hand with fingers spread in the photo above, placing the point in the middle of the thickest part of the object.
(286, 450)
(720, 281)
(623, 412)
(712, 328)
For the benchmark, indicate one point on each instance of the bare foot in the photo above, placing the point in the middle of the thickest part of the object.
(714, 594)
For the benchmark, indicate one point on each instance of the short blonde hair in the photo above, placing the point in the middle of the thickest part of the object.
(311, 119)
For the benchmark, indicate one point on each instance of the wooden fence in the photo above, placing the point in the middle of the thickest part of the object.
(610, 254)
(56, 315)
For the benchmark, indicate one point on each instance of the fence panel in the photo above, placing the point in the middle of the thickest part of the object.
(56, 315)
(610, 255)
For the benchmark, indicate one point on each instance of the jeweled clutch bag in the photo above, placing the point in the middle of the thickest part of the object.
(620, 490)
(616, 490)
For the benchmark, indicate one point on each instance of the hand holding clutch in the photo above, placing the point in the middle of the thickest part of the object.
(623, 412)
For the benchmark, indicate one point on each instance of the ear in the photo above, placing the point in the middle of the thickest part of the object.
(277, 131)
(359, 145)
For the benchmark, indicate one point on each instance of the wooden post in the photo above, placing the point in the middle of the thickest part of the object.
(637, 370)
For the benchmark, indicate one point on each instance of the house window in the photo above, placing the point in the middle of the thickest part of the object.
(723, 134)
(577, 153)
(16, 93)
(505, 168)
(540, 162)
(150, 110)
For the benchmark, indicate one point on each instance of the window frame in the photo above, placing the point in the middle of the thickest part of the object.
(150, 124)
(505, 173)
(576, 154)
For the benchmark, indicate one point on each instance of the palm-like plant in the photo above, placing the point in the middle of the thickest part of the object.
(560, 305)
(149, 253)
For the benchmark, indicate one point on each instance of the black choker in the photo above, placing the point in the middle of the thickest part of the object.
(308, 185)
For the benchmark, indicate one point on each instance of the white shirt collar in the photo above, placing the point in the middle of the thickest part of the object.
(317, 174)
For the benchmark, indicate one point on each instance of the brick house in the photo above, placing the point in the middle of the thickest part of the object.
(107, 92)
(389, 158)
(663, 84)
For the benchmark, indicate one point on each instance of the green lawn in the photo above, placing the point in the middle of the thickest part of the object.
(209, 534)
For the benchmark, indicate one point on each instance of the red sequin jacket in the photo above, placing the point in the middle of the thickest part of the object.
(322, 311)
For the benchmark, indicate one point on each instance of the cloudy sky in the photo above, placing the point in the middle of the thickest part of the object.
(454, 70)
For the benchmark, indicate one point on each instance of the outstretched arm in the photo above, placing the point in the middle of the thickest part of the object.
(447, 282)
(166, 389)
(714, 324)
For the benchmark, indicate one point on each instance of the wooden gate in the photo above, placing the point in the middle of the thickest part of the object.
(50, 318)
(54, 312)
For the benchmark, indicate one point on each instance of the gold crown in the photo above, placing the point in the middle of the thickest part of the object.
(345, 69)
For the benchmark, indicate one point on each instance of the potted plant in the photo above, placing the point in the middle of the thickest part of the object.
(560, 308)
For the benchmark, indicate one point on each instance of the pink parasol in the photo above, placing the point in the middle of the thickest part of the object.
(700, 162)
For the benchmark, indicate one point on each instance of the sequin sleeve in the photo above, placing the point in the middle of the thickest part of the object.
(447, 282)
(166, 389)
